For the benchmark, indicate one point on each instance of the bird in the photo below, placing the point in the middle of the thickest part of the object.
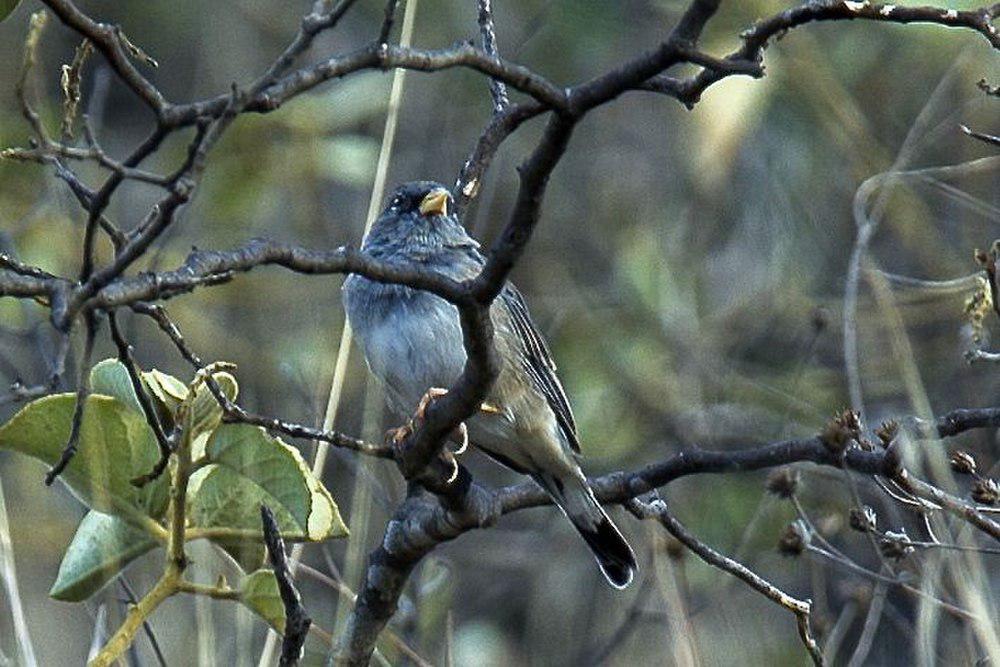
(412, 342)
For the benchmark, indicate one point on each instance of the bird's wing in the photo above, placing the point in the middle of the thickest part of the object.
(538, 363)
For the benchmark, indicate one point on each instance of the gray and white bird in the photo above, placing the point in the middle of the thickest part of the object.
(412, 341)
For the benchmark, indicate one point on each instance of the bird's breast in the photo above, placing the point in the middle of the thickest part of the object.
(412, 340)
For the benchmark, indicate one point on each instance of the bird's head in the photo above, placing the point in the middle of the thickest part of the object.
(418, 217)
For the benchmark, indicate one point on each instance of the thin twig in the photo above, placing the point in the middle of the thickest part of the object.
(487, 31)
(657, 509)
(82, 393)
(152, 418)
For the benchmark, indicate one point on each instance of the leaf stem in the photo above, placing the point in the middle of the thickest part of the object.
(170, 582)
(215, 592)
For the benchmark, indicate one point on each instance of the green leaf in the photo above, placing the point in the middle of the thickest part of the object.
(279, 470)
(6, 7)
(222, 498)
(110, 378)
(168, 390)
(102, 547)
(247, 554)
(260, 594)
(206, 413)
(115, 445)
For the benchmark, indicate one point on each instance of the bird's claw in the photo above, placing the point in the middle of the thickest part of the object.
(463, 436)
(429, 397)
(398, 436)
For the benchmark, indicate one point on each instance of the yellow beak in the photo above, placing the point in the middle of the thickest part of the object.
(435, 203)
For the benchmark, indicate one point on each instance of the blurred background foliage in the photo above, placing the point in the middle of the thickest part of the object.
(689, 273)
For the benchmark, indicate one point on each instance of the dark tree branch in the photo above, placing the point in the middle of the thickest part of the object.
(146, 627)
(756, 38)
(108, 40)
(234, 413)
(82, 393)
(501, 126)
(297, 621)
(388, 19)
(424, 521)
(487, 31)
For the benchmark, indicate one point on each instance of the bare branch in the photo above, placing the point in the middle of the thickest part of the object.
(234, 413)
(657, 510)
(297, 621)
(487, 31)
(109, 41)
(128, 361)
(82, 393)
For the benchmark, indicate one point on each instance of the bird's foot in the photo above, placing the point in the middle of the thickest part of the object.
(429, 397)
(398, 436)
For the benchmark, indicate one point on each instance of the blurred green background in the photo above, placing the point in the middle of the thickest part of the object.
(689, 272)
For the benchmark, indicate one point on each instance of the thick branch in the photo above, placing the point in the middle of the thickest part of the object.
(423, 522)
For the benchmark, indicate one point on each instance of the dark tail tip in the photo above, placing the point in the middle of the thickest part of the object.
(613, 553)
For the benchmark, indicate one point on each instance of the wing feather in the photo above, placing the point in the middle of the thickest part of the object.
(538, 363)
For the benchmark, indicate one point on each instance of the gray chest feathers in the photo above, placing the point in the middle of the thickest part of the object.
(412, 340)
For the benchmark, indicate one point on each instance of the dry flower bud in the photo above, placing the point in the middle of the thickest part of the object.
(963, 463)
(986, 491)
(783, 481)
(863, 519)
(887, 432)
(840, 431)
(896, 545)
(794, 538)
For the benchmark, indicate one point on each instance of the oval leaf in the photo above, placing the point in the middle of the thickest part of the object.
(260, 594)
(206, 413)
(278, 469)
(110, 378)
(101, 548)
(168, 390)
(222, 498)
(115, 446)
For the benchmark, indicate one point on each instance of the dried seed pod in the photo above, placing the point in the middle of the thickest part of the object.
(887, 432)
(840, 431)
(896, 545)
(862, 519)
(794, 538)
(986, 491)
(783, 481)
(963, 463)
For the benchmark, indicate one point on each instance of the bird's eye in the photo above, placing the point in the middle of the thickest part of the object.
(397, 202)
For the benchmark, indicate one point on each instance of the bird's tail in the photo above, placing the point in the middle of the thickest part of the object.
(577, 501)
